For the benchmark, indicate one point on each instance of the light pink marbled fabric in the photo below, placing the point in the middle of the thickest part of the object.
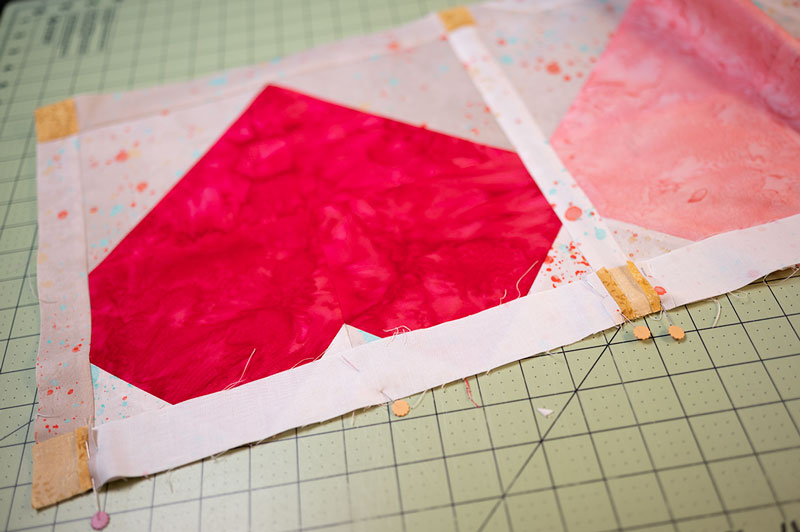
(690, 122)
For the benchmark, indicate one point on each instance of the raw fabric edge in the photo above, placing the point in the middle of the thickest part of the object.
(401, 366)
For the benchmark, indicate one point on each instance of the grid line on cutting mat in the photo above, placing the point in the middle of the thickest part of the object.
(698, 435)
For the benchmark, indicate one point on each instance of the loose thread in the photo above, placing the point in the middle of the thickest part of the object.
(719, 312)
(397, 331)
(309, 359)
(794, 271)
(505, 293)
(660, 315)
(241, 377)
(552, 355)
(519, 294)
(469, 394)
(215, 456)
(419, 401)
(400, 329)
(353, 419)
(259, 442)
(169, 481)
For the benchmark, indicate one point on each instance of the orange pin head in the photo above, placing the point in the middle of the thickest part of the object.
(400, 408)
(641, 332)
(676, 332)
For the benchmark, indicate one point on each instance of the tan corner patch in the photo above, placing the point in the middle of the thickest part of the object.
(60, 468)
(456, 17)
(631, 291)
(646, 287)
(57, 120)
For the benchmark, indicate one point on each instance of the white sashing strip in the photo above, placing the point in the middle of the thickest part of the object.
(344, 381)
(724, 262)
(570, 203)
(332, 386)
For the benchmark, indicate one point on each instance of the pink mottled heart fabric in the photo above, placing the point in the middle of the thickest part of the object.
(304, 216)
(690, 122)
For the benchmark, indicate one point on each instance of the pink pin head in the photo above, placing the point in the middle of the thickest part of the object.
(100, 520)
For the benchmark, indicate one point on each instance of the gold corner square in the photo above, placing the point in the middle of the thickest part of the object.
(456, 17)
(60, 468)
(56, 121)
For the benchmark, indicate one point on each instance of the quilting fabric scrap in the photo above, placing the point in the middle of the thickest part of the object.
(266, 232)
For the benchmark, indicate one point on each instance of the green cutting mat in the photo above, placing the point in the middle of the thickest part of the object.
(660, 435)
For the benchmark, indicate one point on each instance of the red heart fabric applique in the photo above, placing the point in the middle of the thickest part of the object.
(306, 215)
